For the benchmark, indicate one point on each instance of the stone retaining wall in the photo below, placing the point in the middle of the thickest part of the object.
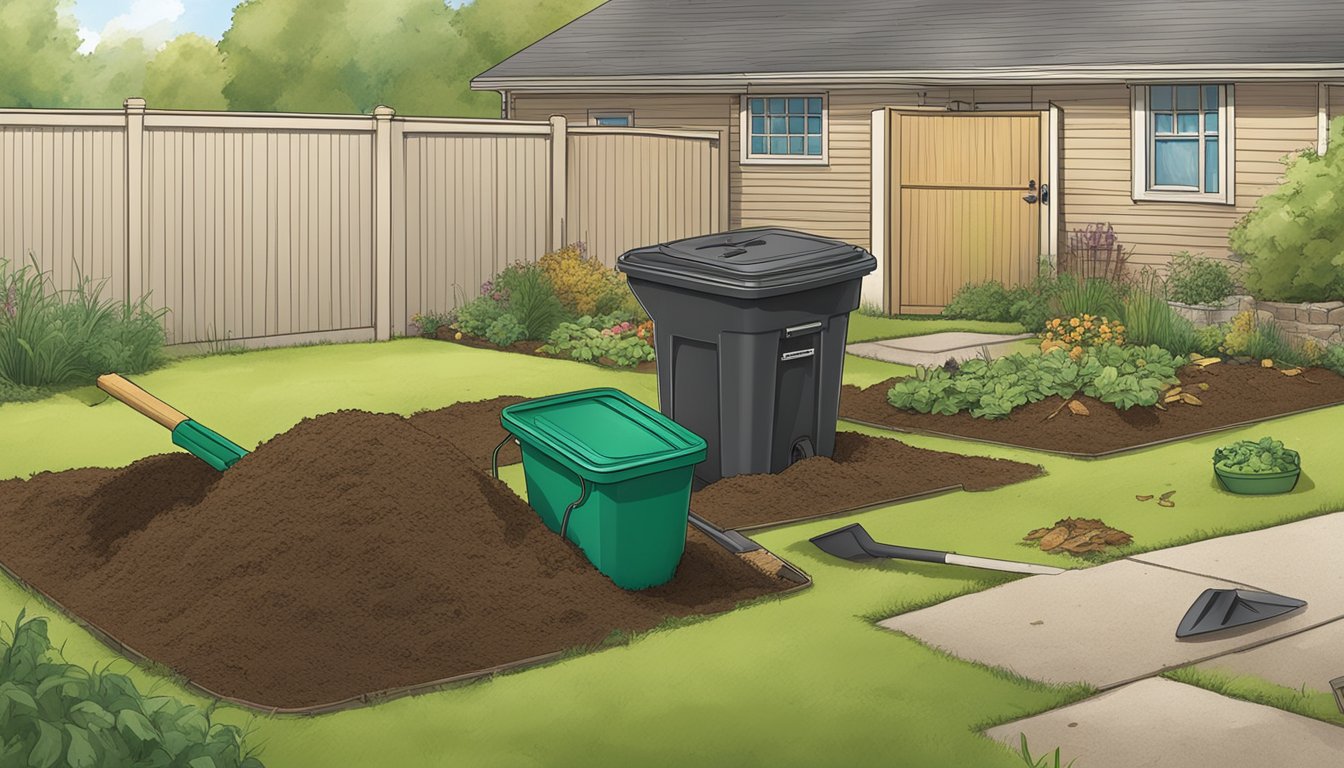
(1322, 321)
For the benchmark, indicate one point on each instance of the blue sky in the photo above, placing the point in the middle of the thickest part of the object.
(154, 20)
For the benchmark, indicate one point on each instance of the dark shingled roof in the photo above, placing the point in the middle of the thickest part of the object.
(725, 37)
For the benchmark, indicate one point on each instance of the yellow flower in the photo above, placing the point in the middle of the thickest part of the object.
(1074, 322)
(1105, 328)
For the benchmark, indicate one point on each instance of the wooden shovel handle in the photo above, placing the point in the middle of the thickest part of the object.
(141, 401)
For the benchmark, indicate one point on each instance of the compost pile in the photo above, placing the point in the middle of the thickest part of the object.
(1228, 393)
(354, 553)
(1078, 535)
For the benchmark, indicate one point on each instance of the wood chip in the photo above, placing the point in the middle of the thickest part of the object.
(1266, 363)
(1036, 534)
(1203, 386)
(1167, 495)
(1291, 371)
(1190, 399)
(1173, 391)
(1207, 361)
(1117, 538)
(1176, 398)
(1165, 503)
(1054, 538)
(1078, 409)
(1147, 497)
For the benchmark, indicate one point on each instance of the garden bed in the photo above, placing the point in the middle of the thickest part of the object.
(1237, 394)
(352, 554)
(533, 348)
(864, 471)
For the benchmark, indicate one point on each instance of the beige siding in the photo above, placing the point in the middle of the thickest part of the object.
(1336, 95)
(1272, 121)
(62, 203)
(253, 233)
(629, 190)
(473, 205)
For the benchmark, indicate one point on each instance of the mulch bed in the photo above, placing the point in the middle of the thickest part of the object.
(354, 553)
(531, 347)
(863, 471)
(1237, 393)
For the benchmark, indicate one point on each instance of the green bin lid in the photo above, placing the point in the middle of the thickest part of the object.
(600, 432)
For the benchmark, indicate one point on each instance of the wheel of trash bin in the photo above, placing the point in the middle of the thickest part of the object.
(802, 450)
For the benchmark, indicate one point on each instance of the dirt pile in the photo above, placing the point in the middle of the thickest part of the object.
(1229, 394)
(353, 553)
(1078, 535)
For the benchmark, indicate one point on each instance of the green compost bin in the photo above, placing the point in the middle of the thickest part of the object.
(620, 469)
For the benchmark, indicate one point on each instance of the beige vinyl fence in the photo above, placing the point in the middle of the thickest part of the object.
(276, 228)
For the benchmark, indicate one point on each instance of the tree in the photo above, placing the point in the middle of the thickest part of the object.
(114, 72)
(37, 54)
(189, 73)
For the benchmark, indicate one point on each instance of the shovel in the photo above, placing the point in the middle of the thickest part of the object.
(203, 443)
(853, 542)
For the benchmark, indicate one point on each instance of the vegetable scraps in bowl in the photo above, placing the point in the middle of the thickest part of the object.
(1249, 457)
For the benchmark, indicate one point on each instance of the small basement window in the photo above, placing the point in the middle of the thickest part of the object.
(784, 129)
(1183, 146)
(616, 118)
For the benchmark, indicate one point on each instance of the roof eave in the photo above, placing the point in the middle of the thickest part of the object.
(997, 76)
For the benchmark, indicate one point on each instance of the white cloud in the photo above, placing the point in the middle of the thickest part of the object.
(150, 20)
(89, 40)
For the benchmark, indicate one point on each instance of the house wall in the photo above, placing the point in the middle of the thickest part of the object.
(1273, 120)
(1335, 95)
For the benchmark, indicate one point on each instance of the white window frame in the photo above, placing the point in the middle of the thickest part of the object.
(595, 115)
(1141, 150)
(745, 156)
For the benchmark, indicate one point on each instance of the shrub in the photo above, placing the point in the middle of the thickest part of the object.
(51, 337)
(1292, 242)
(1122, 376)
(505, 330)
(1075, 297)
(1209, 339)
(57, 714)
(585, 286)
(531, 300)
(476, 316)
(1199, 280)
(989, 301)
(1150, 320)
(429, 323)
(1333, 359)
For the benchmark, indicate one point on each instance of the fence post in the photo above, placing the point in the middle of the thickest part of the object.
(559, 180)
(382, 222)
(135, 199)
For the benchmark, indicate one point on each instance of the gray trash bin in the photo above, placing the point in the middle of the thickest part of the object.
(750, 331)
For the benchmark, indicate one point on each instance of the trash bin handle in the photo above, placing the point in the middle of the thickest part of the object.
(583, 485)
(494, 455)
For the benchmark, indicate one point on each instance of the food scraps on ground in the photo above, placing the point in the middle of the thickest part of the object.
(1266, 363)
(1144, 497)
(1078, 409)
(1078, 535)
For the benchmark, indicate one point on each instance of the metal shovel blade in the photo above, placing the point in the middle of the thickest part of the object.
(853, 542)
(1218, 609)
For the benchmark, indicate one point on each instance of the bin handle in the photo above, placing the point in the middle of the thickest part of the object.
(583, 486)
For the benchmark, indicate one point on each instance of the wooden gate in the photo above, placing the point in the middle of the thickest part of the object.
(965, 203)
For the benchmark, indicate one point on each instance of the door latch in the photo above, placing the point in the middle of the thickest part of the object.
(1030, 197)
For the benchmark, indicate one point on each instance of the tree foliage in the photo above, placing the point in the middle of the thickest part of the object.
(1293, 240)
(343, 56)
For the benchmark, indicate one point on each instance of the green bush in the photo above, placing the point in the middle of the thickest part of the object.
(531, 300)
(476, 316)
(429, 323)
(1095, 296)
(51, 337)
(1209, 340)
(1199, 280)
(590, 338)
(505, 330)
(1332, 359)
(55, 714)
(1027, 305)
(1124, 376)
(1292, 242)
(1150, 320)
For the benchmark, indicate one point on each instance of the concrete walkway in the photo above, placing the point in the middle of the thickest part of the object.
(1158, 722)
(938, 348)
(1114, 626)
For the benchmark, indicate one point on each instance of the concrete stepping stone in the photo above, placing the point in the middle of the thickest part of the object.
(937, 348)
(1311, 659)
(1159, 722)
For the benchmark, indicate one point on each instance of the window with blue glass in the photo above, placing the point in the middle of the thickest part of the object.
(785, 127)
(1187, 151)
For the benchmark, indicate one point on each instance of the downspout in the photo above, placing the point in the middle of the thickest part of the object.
(504, 105)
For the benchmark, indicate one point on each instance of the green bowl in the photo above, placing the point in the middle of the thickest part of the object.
(1258, 484)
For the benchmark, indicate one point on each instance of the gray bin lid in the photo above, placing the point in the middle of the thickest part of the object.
(749, 263)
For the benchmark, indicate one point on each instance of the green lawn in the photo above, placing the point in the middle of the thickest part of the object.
(805, 680)
(869, 328)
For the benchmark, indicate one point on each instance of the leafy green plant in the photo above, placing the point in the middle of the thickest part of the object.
(51, 337)
(476, 316)
(1332, 359)
(53, 713)
(1209, 339)
(1199, 280)
(1246, 336)
(1149, 319)
(1093, 296)
(1254, 457)
(1029, 305)
(429, 323)
(1121, 376)
(505, 330)
(590, 338)
(1291, 241)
